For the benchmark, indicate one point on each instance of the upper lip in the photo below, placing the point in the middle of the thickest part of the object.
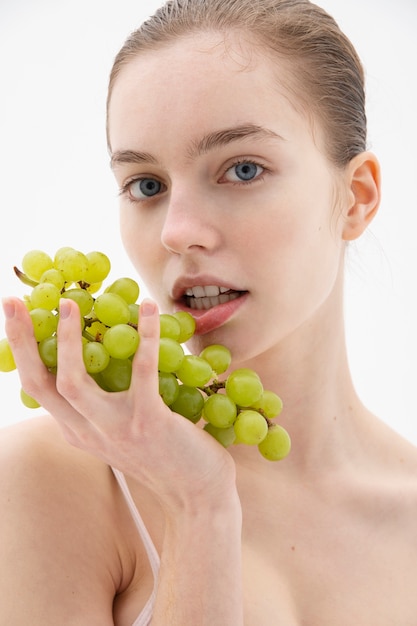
(184, 283)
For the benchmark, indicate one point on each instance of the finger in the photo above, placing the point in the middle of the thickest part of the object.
(145, 362)
(72, 380)
(35, 378)
(97, 416)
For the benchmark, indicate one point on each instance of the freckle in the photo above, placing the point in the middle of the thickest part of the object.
(293, 548)
(335, 418)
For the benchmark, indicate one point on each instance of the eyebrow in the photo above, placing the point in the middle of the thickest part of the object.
(224, 137)
(210, 141)
(131, 156)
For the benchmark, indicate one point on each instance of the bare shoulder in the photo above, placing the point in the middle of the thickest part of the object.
(36, 462)
(60, 548)
(394, 475)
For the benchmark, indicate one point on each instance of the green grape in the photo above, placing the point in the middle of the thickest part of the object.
(171, 355)
(239, 413)
(96, 330)
(244, 387)
(134, 313)
(27, 302)
(250, 427)
(35, 263)
(187, 325)
(72, 264)
(169, 326)
(98, 267)
(84, 299)
(94, 287)
(111, 309)
(126, 288)
(121, 341)
(220, 411)
(45, 296)
(117, 375)
(270, 404)
(189, 403)
(28, 401)
(218, 356)
(276, 445)
(44, 323)
(225, 436)
(168, 387)
(194, 371)
(100, 382)
(7, 363)
(96, 357)
(54, 277)
(48, 351)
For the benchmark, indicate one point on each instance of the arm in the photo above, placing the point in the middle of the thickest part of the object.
(201, 579)
(189, 473)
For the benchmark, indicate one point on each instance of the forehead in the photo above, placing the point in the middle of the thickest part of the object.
(199, 82)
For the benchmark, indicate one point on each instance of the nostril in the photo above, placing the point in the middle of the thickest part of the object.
(183, 234)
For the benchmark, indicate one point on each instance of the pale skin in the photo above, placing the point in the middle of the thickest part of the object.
(326, 536)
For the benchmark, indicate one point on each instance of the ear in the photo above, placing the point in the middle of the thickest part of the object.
(364, 182)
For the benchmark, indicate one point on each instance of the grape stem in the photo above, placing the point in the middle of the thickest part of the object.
(90, 320)
(213, 388)
(89, 337)
(25, 279)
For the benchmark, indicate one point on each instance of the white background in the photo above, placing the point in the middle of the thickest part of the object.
(56, 187)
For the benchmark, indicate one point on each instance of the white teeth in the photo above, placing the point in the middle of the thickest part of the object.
(209, 302)
(208, 291)
(204, 297)
(212, 291)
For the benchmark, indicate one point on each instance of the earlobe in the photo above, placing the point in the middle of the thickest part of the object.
(364, 193)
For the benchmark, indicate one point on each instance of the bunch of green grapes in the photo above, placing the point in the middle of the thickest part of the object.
(235, 410)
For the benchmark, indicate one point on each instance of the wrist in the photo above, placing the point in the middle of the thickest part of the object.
(203, 506)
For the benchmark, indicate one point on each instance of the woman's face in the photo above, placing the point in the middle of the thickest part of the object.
(227, 200)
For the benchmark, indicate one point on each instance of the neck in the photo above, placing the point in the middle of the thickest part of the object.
(309, 370)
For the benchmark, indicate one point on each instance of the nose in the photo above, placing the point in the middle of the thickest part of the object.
(190, 223)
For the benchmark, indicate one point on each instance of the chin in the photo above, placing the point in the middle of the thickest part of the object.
(238, 346)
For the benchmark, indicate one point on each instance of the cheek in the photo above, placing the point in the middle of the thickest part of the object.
(141, 245)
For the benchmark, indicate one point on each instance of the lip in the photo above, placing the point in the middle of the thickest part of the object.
(210, 319)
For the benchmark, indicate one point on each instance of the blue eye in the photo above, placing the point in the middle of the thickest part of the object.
(144, 188)
(244, 172)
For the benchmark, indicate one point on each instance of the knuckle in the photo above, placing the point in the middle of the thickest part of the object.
(68, 386)
(145, 365)
(35, 386)
(17, 340)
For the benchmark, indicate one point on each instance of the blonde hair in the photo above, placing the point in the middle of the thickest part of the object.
(327, 75)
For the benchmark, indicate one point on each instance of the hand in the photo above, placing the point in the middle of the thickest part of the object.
(132, 430)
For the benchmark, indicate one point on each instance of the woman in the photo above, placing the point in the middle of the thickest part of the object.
(237, 135)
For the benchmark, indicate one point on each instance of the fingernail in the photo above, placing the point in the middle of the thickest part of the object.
(8, 308)
(64, 308)
(147, 308)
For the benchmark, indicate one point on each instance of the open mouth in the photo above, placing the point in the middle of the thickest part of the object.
(203, 298)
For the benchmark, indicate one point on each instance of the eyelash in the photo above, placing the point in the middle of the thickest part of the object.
(258, 177)
(125, 188)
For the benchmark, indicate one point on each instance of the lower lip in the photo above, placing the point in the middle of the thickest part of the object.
(208, 320)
